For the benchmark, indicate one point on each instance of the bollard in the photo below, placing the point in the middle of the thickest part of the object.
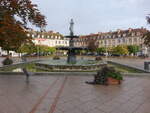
(146, 65)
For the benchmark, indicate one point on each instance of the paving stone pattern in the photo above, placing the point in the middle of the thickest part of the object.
(70, 94)
(136, 63)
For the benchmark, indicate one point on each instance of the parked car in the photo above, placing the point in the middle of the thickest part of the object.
(117, 55)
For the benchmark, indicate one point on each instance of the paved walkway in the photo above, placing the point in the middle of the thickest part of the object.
(70, 94)
(137, 63)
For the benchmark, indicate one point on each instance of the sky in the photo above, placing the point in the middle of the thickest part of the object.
(92, 16)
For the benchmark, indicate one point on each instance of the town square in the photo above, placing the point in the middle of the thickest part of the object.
(74, 56)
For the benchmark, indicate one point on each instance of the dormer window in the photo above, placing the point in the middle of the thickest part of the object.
(28, 35)
(113, 36)
(119, 36)
(38, 36)
(124, 35)
(138, 33)
(33, 36)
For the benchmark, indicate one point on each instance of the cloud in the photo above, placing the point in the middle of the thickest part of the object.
(94, 15)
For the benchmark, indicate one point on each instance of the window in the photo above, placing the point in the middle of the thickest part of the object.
(130, 40)
(32, 35)
(119, 41)
(124, 35)
(38, 36)
(138, 33)
(28, 35)
(105, 42)
(123, 40)
(133, 34)
(135, 39)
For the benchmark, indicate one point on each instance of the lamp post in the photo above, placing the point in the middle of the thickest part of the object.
(38, 50)
(38, 53)
(40, 40)
(106, 49)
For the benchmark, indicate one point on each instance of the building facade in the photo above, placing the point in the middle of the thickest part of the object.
(50, 38)
(113, 39)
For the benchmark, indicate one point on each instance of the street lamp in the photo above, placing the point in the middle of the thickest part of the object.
(39, 43)
(38, 50)
(106, 49)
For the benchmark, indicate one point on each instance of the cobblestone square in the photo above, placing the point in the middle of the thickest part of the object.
(70, 94)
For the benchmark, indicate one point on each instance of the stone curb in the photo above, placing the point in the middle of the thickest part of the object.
(70, 74)
(17, 64)
(139, 69)
(51, 73)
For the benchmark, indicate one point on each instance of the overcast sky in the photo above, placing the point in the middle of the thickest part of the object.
(92, 16)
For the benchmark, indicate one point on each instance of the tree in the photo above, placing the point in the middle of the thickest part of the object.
(146, 36)
(46, 49)
(92, 45)
(120, 50)
(52, 50)
(101, 50)
(133, 49)
(27, 48)
(14, 18)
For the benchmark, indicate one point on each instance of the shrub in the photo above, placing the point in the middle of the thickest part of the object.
(110, 72)
(7, 61)
(98, 58)
(115, 75)
(56, 58)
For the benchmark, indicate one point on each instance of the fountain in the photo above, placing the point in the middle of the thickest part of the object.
(71, 64)
(71, 59)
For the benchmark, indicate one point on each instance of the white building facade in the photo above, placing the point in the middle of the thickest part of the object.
(50, 39)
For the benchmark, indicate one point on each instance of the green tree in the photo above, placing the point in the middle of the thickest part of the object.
(51, 50)
(133, 49)
(101, 50)
(120, 50)
(45, 49)
(27, 48)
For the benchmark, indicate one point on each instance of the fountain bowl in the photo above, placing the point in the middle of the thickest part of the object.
(62, 66)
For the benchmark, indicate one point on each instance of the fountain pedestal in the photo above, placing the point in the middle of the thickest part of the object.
(71, 57)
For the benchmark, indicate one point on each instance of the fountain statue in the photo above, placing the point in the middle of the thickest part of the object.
(71, 59)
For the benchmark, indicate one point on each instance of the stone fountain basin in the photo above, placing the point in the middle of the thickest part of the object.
(61, 65)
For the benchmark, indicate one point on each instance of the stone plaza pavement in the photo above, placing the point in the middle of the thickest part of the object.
(136, 63)
(70, 94)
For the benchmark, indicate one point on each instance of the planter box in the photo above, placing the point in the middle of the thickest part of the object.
(112, 81)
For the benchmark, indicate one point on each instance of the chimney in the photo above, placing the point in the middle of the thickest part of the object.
(130, 29)
(118, 30)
